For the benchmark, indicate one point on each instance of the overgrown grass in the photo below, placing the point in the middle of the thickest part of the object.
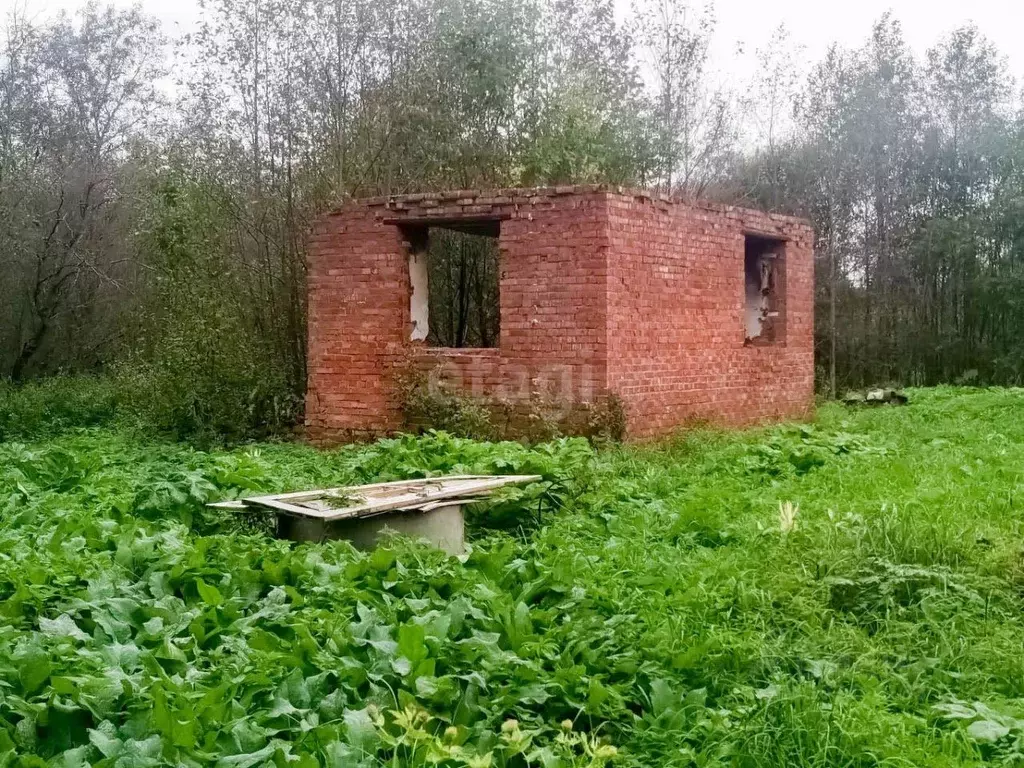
(644, 606)
(226, 407)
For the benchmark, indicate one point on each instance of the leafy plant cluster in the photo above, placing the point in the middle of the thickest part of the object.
(799, 449)
(163, 396)
(430, 403)
(444, 408)
(49, 406)
(669, 605)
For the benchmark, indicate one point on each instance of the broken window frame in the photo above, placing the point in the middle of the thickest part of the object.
(764, 289)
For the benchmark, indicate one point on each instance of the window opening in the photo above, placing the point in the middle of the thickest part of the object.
(762, 269)
(454, 270)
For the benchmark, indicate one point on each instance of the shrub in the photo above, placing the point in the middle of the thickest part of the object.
(429, 403)
(203, 364)
(206, 390)
(444, 409)
(49, 406)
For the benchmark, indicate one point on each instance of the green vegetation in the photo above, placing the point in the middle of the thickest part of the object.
(846, 593)
(432, 404)
(53, 405)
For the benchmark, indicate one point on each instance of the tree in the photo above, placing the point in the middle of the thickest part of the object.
(76, 94)
(826, 113)
(768, 112)
(693, 129)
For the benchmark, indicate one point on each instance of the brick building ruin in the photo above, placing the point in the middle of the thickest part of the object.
(679, 312)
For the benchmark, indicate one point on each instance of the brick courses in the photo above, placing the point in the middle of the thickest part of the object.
(602, 290)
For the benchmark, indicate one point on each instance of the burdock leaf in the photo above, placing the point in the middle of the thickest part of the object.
(62, 626)
(987, 730)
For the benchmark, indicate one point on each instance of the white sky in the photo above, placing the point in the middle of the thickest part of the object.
(814, 24)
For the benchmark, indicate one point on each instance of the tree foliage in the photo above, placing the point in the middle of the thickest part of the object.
(911, 171)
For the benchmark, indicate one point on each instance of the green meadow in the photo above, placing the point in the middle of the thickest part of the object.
(848, 592)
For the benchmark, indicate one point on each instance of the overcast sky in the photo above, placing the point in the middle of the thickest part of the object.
(816, 24)
(813, 24)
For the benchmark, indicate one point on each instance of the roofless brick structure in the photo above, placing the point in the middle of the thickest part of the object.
(678, 311)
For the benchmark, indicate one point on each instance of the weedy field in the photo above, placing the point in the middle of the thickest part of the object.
(847, 593)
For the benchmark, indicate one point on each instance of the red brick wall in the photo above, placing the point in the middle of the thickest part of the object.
(358, 283)
(675, 317)
(553, 248)
(600, 292)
